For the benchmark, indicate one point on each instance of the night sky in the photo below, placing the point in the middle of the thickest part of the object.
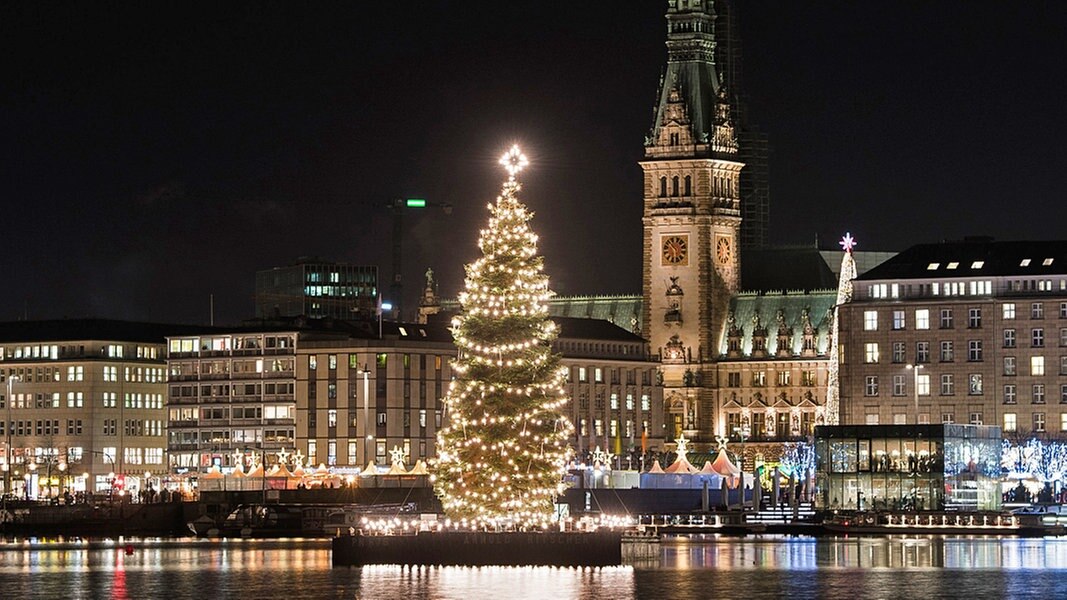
(152, 157)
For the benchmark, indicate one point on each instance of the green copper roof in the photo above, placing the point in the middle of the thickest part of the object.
(745, 306)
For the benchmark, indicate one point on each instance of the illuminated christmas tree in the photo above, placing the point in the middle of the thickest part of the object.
(503, 454)
(844, 296)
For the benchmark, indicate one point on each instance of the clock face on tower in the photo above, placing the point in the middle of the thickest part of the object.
(676, 250)
(722, 250)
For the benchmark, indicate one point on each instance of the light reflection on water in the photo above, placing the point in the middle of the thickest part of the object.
(920, 567)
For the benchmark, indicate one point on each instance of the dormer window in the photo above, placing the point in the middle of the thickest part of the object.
(952, 265)
(932, 266)
(977, 264)
(1025, 262)
(1047, 262)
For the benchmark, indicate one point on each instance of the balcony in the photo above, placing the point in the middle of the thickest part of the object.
(182, 423)
(279, 421)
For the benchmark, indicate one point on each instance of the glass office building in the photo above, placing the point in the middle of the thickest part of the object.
(908, 467)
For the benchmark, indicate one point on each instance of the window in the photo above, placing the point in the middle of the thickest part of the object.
(946, 318)
(922, 352)
(1009, 310)
(1063, 365)
(598, 375)
(975, 418)
(948, 418)
(76, 373)
(899, 352)
(974, 350)
(922, 318)
(733, 379)
(75, 399)
(1063, 336)
(759, 378)
(614, 401)
(807, 378)
(1037, 337)
(381, 418)
(646, 402)
(946, 351)
(1010, 394)
(785, 378)
(1010, 422)
(948, 386)
(1009, 338)
(922, 383)
(1039, 422)
(313, 362)
(870, 320)
(899, 387)
(582, 377)
(870, 353)
(331, 362)
(1063, 422)
(974, 384)
(872, 419)
(331, 418)
(1037, 365)
(1063, 305)
(898, 319)
(974, 318)
(871, 387)
(1063, 393)
(1009, 365)
(353, 459)
(1037, 310)
(1037, 393)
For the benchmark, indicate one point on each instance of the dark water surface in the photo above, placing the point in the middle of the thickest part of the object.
(761, 567)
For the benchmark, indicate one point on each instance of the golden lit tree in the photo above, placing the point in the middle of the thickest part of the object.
(503, 454)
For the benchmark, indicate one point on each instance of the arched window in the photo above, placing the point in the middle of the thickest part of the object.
(688, 186)
(662, 186)
(674, 185)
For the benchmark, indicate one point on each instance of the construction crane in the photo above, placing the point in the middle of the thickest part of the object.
(398, 206)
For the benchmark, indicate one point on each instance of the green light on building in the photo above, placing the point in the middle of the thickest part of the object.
(416, 203)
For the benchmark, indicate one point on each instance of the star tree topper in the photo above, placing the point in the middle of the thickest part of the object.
(848, 243)
(514, 161)
(238, 457)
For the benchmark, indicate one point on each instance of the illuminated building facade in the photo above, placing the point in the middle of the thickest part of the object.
(973, 331)
(316, 288)
(82, 405)
(908, 467)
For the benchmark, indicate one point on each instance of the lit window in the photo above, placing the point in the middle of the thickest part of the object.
(871, 353)
(870, 320)
(952, 265)
(1037, 365)
(1009, 310)
(977, 264)
(1010, 423)
(922, 384)
(871, 388)
(932, 266)
(922, 318)
(1047, 262)
(1025, 262)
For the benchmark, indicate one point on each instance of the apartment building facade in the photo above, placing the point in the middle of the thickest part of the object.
(960, 332)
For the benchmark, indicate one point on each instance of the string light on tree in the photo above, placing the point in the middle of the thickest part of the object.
(832, 409)
(503, 454)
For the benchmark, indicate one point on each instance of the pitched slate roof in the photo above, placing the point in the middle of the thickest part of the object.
(746, 306)
(976, 257)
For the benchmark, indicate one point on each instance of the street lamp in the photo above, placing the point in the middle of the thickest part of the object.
(742, 432)
(9, 461)
(368, 438)
(915, 370)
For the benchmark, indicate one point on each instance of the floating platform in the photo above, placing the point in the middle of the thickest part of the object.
(477, 548)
